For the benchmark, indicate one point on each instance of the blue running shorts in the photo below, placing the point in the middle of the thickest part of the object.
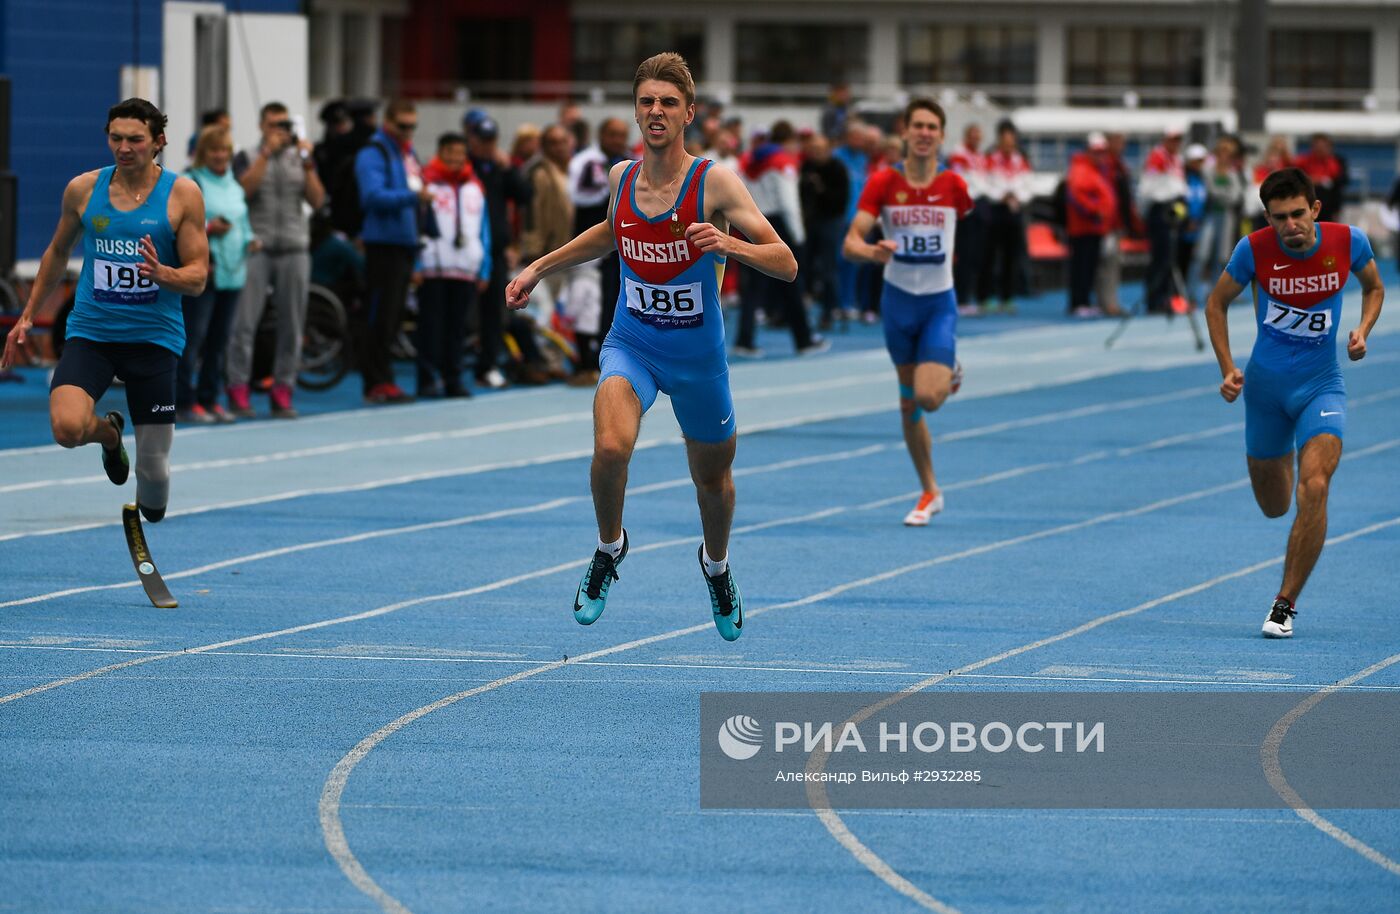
(920, 328)
(698, 388)
(1283, 413)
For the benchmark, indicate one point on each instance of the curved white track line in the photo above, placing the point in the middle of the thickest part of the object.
(1273, 770)
(816, 791)
(334, 787)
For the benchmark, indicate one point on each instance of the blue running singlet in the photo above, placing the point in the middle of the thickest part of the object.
(114, 303)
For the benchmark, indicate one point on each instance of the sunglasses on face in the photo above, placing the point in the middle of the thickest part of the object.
(406, 126)
(282, 125)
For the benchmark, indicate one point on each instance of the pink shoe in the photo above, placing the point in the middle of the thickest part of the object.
(282, 407)
(238, 401)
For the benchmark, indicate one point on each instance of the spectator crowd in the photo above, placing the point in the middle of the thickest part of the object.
(400, 224)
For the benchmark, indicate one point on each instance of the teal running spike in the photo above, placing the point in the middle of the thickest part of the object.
(592, 593)
(725, 601)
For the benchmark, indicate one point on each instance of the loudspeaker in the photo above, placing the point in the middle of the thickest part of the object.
(9, 219)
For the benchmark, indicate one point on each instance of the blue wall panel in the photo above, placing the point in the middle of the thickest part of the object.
(64, 58)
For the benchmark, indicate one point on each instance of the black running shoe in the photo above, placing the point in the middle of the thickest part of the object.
(725, 601)
(114, 460)
(1280, 621)
(592, 593)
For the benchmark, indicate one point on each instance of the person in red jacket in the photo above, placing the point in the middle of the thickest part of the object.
(1091, 208)
(1328, 172)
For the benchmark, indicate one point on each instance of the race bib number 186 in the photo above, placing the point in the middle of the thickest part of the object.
(118, 282)
(665, 306)
(1297, 323)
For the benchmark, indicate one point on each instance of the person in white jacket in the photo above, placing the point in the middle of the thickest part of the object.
(454, 268)
(1007, 181)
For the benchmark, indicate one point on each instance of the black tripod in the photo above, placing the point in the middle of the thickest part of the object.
(1179, 291)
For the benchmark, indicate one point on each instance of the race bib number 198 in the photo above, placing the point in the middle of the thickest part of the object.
(665, 306)
(1308, 325)
(118, 282)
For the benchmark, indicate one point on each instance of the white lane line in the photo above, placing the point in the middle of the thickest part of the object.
(840, 672)
(1273, 769)
(334, 787)
(816, 791)
(443, 524)
(323, 450)
(885, 405)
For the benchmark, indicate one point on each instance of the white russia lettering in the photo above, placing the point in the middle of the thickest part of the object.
(656, 252)
(117, 246)
(1298, 285)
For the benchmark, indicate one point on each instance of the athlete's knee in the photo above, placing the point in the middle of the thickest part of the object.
(612, 448)
(67, 430)
(1312, 489)
(714, 482)
(931, 400)
(1273, 507)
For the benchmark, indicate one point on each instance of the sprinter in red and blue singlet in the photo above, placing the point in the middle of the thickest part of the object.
(1294, 396)
(669, 221)
(918, 208)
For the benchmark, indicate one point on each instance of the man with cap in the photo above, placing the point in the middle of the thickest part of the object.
(1197, 199)
(1162, 187)
(502, 184)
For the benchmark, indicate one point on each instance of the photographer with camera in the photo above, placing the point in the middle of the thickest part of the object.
(276, 177)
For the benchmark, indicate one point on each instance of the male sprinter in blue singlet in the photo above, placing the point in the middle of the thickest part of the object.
(1294, 397)
(669, 220)
(144, 246)
(918, 207)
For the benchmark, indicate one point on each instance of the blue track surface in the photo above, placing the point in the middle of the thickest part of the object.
(411, 569)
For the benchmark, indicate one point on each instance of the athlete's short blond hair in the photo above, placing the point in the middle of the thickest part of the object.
(667, 67)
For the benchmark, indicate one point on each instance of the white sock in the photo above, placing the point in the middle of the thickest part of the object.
(712, 567)
(612, 549)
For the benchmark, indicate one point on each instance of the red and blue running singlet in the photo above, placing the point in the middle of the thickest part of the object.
(1300, 294)
(669, 297)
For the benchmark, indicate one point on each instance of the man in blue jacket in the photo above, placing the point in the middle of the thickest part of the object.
(392, 191)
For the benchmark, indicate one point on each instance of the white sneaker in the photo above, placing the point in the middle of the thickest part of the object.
(956, 384)
(928, 505)
(748, 352)
(1280, 621)
(494, 379)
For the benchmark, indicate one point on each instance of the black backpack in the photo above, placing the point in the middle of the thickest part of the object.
(347, 213)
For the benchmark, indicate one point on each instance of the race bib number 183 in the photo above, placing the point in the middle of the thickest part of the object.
(665, 306)
(118, 282)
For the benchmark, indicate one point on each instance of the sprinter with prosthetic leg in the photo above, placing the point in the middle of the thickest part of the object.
(144, 246)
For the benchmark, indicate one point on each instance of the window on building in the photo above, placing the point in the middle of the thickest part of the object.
(975, 55)
(787, 52)
(610, 51)
(494, 51)
(1162, 66)
(1319, 68)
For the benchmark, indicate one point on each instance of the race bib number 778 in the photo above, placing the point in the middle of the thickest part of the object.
(669, 306)
(1298, 323)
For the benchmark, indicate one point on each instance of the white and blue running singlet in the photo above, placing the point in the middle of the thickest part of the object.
(1293, 386)
(114, 303)
(668, 332)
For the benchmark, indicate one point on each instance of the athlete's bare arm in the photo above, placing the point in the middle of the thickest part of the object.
(858, 249)
(726, 197)
(54, 263)
(1372, 294)
(591, 244)
(191, 244)
(1226, 290)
